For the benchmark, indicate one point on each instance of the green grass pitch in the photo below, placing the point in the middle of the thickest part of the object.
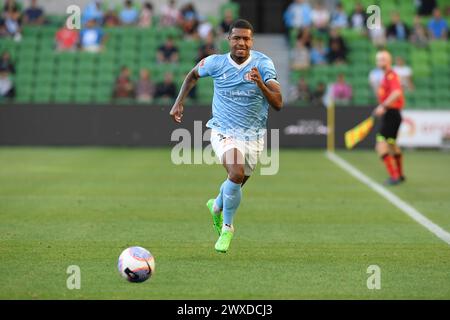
(309, 232)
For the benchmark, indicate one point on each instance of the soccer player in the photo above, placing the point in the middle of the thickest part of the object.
(245, 84)
(391, 102)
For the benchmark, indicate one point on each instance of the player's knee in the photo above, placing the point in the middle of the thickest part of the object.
(237, 174)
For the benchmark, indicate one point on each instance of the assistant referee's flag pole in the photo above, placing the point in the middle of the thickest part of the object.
(331, 121)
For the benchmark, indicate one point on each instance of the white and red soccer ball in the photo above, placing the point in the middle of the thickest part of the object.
(136, 264)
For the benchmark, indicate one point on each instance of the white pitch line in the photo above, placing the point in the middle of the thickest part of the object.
(392, 198)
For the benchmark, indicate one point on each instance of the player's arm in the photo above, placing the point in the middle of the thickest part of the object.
(270, 89)
(189, 82)
(382, 107)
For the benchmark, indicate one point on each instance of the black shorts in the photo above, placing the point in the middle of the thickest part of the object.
(390, 123)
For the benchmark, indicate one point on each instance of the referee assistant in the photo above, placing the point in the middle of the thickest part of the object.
(391, 102)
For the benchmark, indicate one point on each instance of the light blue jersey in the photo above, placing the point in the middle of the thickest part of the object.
(239, 108)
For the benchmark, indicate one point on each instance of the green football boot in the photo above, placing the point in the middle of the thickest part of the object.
(224, 241)
(217, 218)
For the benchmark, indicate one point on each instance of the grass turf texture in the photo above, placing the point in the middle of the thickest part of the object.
(309, 232)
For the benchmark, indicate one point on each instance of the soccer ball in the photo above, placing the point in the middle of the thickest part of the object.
(136, 264)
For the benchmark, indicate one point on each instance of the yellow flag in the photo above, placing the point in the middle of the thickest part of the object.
(358, 133)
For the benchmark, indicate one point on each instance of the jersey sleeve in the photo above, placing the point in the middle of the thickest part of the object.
(268, 72)
(207, 66)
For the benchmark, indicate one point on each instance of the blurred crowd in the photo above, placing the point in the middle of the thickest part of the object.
(13, 17)
(319, 42)
(98, 16)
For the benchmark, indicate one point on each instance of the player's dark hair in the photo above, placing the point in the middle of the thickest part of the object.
(241, 24)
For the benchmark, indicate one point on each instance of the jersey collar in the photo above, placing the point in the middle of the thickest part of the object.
(242, 65)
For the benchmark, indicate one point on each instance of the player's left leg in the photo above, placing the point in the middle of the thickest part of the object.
(395, 149)
(398, 157)
(233, 161)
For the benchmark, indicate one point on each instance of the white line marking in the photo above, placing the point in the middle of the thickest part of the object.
(392, 198)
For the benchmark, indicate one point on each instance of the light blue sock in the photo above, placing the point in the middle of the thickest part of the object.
(231, 199)
(219, 199)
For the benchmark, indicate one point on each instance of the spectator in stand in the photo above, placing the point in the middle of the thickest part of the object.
(34, 15)
(358, 18)
(167, 88)
(204, 29)
(188, 11)
(305, 36)
(300, 56)
(7, 89)
(301, 92)
(419, 33)
(397, 30)
(168, 52)
(404, 72)
(66, 39)
(6, 64)
(129, 15)
(320, 17)
(437, 27)
(110, 18)
(336, 54)
(207, 48)
(189, 21)
(146, 17)
(145, 88)
(319, 52)
(92, 38)
(338, 48)
(170, 15)
(3, 32)
(123, 88)
(317, 98)
(339, 18)
(92, 11)
(298, 15)
(341, 91)
(12, 19)
(226, 22)
(375, 78)
(425, 7)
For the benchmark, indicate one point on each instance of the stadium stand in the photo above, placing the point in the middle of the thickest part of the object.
(45, 75)
(430, 64)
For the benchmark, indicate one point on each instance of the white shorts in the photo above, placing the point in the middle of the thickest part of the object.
(251, 150)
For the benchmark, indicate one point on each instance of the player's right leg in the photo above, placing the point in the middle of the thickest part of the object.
(383, 150)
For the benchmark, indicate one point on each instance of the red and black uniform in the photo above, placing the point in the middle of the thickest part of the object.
(391, 120)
